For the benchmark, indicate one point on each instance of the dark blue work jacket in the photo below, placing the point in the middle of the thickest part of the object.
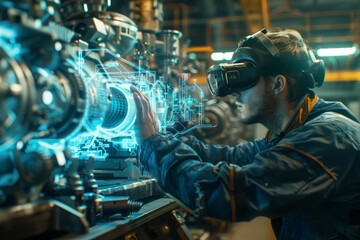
(308, 179)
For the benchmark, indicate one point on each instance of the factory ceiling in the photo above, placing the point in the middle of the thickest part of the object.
(221, 23)
(218, 25)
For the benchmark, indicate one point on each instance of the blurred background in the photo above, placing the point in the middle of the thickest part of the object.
(68, 150)
(212, 28)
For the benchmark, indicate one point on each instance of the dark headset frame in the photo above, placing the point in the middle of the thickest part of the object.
(249, 63)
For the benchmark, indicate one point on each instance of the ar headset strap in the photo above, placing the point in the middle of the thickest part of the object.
(269, 62)
(260, 37)
(274, 63)
(252, 47)
(249, 49)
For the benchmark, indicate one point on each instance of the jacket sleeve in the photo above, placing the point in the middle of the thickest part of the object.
(241, 154)
(299, 173)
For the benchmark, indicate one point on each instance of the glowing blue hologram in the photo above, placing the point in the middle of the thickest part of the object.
(47, 97)
(121, 116)
(111, 64)
(87, 145)
(109, 125)
(186, 106)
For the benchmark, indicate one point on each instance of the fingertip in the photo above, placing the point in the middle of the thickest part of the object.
(136, 96)
(134, 89)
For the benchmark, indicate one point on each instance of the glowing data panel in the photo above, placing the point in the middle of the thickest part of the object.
(112, 110)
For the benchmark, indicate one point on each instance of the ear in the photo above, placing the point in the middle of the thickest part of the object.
(279, 84)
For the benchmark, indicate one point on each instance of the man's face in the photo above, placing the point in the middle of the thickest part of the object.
(256, 104)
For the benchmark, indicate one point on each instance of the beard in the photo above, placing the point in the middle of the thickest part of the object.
(260, 110)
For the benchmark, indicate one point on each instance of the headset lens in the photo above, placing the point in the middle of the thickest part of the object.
(224, 79)
(216, 79)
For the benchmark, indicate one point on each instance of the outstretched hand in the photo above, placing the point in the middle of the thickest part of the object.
(146, 123)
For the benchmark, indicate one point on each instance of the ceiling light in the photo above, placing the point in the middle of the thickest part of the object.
(329, 52)
(228, 55)
(221, 56)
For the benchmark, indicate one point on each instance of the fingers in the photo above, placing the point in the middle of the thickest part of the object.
(144, 109)
(138, 102)
(142, 102)
(139, 105)
(137, 96)
(143, 105)
(139, 93)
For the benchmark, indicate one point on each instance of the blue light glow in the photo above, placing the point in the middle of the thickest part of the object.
(110, 125)
(47, 97)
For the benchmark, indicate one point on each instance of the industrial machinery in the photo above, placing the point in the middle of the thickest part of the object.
(68, 150)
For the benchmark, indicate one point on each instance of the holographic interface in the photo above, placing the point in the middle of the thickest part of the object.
(108, 126)
(68, 148)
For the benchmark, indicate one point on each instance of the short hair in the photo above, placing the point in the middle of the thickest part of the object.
(291, 45)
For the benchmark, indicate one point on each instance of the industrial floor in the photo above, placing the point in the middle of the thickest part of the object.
(257, 229)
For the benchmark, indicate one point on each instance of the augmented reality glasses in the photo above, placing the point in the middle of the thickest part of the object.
(224, 79)
(257, 56)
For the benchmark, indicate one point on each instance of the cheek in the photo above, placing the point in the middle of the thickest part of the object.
(254, 107)
(245, 113)
(250, 101)
(250, 108)
(247, 109)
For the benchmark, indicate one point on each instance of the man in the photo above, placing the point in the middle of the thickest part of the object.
(305, 172)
